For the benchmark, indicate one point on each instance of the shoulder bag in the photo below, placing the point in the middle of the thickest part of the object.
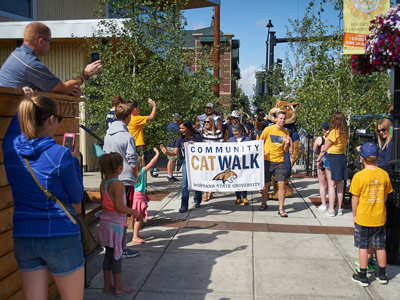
(88, 241)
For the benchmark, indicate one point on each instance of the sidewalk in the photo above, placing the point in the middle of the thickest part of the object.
(227, 251)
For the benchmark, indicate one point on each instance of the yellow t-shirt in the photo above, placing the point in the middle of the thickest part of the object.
(135, 128)
(339, 142)
(274, 143)
(371, 186)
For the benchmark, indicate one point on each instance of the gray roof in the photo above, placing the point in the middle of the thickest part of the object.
(208, 36)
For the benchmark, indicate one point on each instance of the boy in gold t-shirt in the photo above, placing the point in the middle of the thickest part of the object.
(369, 189)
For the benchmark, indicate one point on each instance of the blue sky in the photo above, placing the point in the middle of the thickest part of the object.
(247, 20)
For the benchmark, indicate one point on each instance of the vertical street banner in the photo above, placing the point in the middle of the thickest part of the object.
(225, 167)
(357, 15)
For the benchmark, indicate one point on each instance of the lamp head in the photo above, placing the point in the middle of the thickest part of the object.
(269, 25)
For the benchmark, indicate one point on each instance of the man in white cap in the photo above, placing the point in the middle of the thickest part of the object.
(227, 132)
(209, 112)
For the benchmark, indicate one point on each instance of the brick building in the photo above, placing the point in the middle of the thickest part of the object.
(229, 57)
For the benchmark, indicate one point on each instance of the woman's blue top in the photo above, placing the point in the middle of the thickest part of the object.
(36, 215)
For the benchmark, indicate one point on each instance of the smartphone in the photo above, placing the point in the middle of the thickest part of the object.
(95, 56)
(69, 140)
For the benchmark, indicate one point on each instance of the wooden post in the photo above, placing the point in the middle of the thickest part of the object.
(216, 47)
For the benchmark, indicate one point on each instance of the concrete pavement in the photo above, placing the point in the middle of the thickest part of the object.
(227, 251)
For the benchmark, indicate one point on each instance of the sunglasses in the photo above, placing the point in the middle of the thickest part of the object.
(59, 118)
(381, 130)
(47, 40)
(208, 122)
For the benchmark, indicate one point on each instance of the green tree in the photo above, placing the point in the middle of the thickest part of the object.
(144, 57)
(320, 78)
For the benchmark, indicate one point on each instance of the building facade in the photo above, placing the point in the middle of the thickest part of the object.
(229, 71)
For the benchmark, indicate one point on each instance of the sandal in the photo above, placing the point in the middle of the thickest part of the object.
(138, 241)
(263, 206)
(282, 213)
(124, 291)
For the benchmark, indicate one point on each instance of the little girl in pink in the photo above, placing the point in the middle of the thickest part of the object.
(140, 199)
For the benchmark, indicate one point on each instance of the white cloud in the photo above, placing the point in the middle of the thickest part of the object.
(248, 80)
(198, 26)
(260, 23)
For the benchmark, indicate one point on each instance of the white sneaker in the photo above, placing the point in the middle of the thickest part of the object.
(340, 212)
(323, 207)
(329, 213)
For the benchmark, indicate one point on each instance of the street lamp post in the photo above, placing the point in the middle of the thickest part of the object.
(268, 62)
(393, 199)
(269, 26)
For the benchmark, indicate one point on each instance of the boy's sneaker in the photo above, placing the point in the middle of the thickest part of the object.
(323, 207)
(128, 253)
(329, 213)
(340, 212)
(382, 279)
(363, 281)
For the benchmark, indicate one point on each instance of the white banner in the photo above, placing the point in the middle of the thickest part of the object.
(225, 167)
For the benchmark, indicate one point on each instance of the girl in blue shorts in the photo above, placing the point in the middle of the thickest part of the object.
(335, 147)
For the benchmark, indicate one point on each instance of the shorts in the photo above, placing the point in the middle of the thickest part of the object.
(362, 235)
(325, 162)
(276, 169)
(338, 166)
(140, 151)
(172, 157)
(61, 255)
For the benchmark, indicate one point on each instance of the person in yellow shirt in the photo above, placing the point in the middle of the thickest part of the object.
(369, 189)
(335, 147)
(276, 142)
(135, 126)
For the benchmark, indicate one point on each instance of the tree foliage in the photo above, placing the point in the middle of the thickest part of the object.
(144, 57)
(320, 78)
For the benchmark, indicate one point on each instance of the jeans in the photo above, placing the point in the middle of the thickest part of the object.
(185, 190)
(241, 195)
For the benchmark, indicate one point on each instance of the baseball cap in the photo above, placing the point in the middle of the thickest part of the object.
(369, 149)
(325, 126)
(210, 105)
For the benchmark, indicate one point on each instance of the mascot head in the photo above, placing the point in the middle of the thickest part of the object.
(289, 108)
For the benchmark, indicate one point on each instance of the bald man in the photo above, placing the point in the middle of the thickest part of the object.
(23, 67)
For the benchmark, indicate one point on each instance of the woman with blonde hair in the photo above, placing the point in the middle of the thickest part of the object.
(45, 239)
(335, 147)
(210, 134)
(384, 142)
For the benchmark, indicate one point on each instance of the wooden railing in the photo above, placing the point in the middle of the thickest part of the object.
(68, 108)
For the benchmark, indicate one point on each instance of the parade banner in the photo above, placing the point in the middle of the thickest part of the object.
(357, 15)
(225, 167)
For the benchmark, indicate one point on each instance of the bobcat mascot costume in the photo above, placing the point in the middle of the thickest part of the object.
(290, 109)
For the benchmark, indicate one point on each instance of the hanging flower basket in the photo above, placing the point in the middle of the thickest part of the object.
(383, 43)
(361, 65)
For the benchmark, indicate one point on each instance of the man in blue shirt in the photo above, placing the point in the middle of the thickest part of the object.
(209, 112)
(23, 67)
(172, 135)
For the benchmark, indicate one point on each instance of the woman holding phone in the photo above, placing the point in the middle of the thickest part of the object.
(45, 239)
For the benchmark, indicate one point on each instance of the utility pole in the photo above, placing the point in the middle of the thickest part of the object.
(216, 47)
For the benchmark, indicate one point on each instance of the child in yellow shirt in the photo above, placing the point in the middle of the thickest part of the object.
(369, 189)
